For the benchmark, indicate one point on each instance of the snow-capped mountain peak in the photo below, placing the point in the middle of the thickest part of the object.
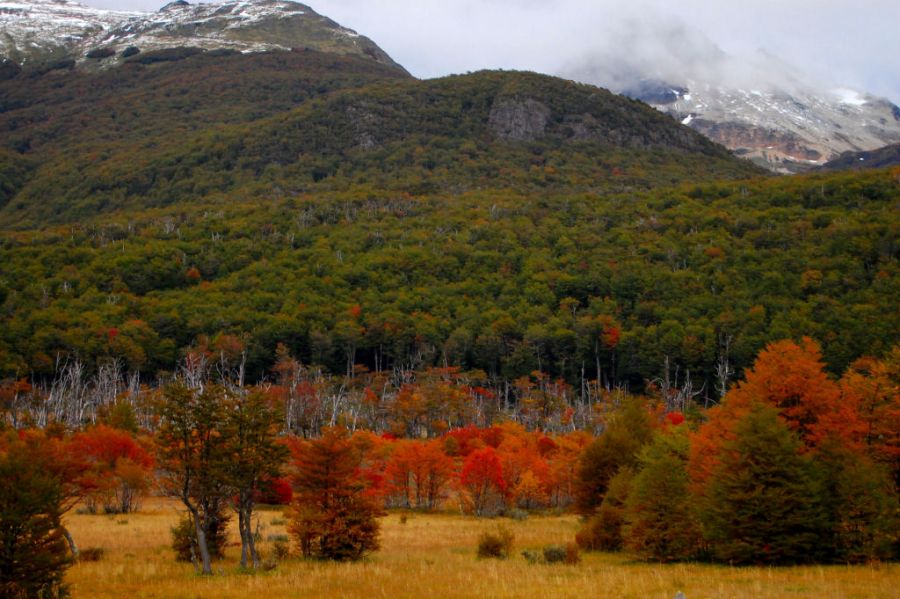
(38, 30)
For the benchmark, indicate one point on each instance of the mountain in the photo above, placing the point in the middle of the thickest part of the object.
(880, 158)
(207, 125)
(784, 130)
(756, 105)
(38, 31)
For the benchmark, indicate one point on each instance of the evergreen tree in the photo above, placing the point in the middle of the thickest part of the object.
(33, 550)
(629, 429)
(764, 502)
(603, 530)
(660, 521)
(862, 505)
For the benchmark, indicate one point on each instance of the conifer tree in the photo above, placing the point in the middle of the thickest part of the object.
(33, 550)
(764, 502)
(629, 429)
(660, 521)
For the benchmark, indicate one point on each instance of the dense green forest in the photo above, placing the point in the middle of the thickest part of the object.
(505, 281)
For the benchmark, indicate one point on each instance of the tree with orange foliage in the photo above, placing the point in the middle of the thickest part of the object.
(525, 472)
(790, 377)
(332, 517)
(420, 473)
(873, 386)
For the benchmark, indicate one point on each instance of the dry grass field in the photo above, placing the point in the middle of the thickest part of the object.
(432, 556)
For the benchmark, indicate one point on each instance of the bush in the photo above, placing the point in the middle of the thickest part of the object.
(554, 554)
(91, 554)
(517, 514)
(497, 545)
(100, 53)
(184, 538)
(281, 548)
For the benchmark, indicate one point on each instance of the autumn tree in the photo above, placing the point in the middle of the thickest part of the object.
(192, 456)
(253, 458)
(33, 551)
(120, 468)
(332, 517)
(482, 478)
(420, 473)
(873, 386)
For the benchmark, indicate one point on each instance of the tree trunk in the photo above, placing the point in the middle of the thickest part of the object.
(251, 542)
(245, 542)
(200, 529)
(72, 546)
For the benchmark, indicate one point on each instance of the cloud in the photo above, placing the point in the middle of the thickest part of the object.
(842, 42)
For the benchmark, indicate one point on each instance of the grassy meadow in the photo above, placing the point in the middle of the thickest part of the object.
(431, 556)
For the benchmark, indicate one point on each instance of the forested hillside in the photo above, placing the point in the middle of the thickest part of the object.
(507, 281)
(282, 124)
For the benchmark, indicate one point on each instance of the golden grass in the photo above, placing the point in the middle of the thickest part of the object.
(433, 556)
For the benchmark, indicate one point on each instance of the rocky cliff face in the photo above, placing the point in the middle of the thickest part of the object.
(42, 30)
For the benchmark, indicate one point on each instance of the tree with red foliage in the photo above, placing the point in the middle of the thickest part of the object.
(332, 517)
(482, 478)
(120, 468)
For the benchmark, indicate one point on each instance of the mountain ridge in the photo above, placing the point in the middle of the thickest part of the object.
(39, 31)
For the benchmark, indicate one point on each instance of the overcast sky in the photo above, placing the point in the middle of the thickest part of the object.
(855, 43)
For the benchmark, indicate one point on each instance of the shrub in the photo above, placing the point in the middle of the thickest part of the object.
(497, 545)
(281, 548)
(561, 554)
(573, 555)
(99, 53)
(184, 538)
(554, 554)
(91, 554)
(517, 514)
(130, 51)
